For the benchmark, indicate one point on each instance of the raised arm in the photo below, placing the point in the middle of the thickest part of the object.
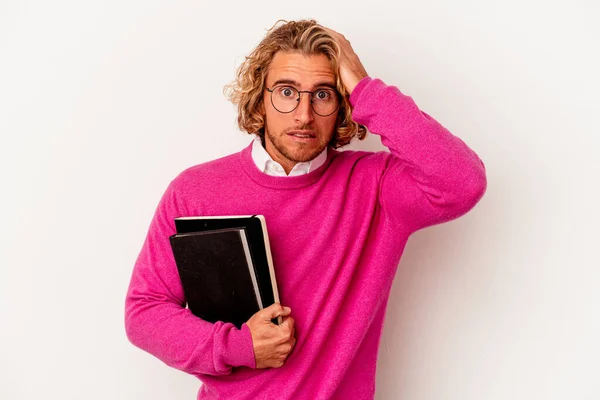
(431, 176)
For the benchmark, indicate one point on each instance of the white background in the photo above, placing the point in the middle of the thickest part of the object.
(103, 103)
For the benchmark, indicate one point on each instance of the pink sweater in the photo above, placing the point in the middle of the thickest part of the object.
(337, 235)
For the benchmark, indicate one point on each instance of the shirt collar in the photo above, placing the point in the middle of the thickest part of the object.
(267, 165)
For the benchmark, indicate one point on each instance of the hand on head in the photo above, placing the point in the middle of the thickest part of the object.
(352, 70)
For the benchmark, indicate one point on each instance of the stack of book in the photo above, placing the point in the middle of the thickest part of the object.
(225, 266)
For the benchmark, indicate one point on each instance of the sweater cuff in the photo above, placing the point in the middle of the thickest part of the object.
(242, 353)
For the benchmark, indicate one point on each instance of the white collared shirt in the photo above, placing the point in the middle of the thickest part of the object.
(265, 163)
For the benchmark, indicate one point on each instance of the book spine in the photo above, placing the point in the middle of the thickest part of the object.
(251, 268)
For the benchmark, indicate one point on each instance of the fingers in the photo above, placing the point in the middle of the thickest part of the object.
(344, 43)
(289, 340)
(272, 343)
(332, 32)
(288, 322)
(275, 310)
(351, 69)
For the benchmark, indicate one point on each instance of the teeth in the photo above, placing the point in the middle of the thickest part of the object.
(302, 136)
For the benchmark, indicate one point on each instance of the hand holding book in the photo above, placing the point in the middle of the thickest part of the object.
(227, 274)
(272, 343)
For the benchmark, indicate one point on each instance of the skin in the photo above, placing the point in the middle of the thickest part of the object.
(273, 343)
(307, 73)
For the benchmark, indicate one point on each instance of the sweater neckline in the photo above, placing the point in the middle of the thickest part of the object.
(282, 182)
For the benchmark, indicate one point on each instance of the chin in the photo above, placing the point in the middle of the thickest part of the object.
(296, 151)
(304, 155)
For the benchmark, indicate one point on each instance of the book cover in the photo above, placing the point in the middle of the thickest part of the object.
(258, 239)
(217, 274)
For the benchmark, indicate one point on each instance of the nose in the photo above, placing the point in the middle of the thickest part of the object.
(304, 112)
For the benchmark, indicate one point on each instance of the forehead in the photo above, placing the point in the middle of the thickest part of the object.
(307, 70)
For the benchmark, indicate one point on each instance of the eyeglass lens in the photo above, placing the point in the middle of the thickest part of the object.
(285, 99)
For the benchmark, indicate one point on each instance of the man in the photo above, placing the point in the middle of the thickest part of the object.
(338, 222)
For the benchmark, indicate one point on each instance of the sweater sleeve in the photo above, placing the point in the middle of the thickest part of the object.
(157, 321)
(431, 176)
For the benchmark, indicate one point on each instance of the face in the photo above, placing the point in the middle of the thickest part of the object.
(286, 138)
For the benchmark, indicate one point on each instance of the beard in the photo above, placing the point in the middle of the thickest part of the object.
(298, 151)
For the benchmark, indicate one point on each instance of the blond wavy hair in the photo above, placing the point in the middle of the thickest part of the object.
(307, 38)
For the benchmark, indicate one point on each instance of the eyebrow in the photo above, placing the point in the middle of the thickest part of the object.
(294, 83)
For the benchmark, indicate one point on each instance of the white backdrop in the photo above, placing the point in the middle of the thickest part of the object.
(103, 103)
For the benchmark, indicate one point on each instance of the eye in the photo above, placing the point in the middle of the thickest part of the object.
(322, 95)
(287, 91)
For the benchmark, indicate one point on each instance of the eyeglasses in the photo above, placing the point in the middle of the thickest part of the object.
(285, 99)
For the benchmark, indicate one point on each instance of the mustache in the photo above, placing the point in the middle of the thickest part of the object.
(300, 128)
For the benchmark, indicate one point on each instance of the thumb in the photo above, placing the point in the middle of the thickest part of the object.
(275, 310)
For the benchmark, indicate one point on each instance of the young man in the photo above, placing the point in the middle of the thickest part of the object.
(338, 222)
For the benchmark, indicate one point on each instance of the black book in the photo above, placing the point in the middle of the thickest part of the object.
(225, 266)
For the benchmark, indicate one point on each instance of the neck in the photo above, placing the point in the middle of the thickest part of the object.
(276, 156)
